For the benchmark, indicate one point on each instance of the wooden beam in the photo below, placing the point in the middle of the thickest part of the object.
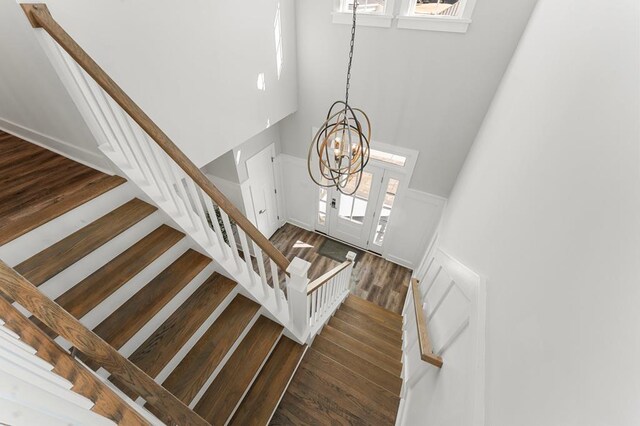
(40, 17)
(66, 325)
(426, 348)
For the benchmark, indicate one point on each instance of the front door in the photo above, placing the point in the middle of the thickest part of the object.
(351, 216)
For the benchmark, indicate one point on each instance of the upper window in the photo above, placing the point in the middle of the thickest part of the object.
(438, 7)
(375, 7)
(387, 157)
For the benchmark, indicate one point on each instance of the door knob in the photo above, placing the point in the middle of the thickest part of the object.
(262, 211)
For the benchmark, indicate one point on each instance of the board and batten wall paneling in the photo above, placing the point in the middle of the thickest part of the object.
(413, 221)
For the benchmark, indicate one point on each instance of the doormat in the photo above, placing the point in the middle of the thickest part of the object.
(337, 251)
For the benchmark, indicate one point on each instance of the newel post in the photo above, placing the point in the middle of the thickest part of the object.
(297, 283)
(352, 257)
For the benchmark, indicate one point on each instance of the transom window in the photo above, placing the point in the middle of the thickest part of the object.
(374, 7)
(387, 157)
(437, 7)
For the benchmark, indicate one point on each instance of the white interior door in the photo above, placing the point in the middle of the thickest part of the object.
(263, 190)
(351, 216)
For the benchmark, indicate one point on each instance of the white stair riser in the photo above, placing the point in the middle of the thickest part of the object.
(55, 230)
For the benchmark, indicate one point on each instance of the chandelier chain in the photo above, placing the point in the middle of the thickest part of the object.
(353, 38)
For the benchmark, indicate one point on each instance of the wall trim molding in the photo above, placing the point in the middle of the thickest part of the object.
(80, 155)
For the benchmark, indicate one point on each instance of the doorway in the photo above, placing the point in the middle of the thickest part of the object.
(263, 190)
(361, 219)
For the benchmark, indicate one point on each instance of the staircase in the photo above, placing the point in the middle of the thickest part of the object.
(138, 285)
(351, 372)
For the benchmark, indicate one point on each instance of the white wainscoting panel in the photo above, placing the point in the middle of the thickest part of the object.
(453, 299)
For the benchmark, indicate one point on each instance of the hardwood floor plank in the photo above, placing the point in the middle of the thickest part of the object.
(54, 259)
(156, 352)
(260, 403)
(376, 342)
(198, 365)
(225, 393)
(129, 318)
(374, 278)
(358, 365)
(363, 350)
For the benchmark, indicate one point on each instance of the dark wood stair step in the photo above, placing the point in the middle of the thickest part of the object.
(26, 221)
(202, 360)
(378, 313)
(369, 391)
(225, 393)
(366, 369)
(366, 324)
(391, 349)
(129, 318)
(261, 401)
(58, 257)
(317, 389)
(363, 350)
(94, 289)
(160, 348)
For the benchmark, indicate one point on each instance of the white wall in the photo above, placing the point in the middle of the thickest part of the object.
(424, 90)
(547, 207)
(193, 66)
(33, 102)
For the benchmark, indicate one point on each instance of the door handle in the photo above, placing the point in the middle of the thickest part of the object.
(333, 203)
(262, 211)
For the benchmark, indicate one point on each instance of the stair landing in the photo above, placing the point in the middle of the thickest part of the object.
(37, 185)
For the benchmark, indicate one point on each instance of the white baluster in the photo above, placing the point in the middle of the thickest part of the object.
(276, 283)
(247, 256)
(177, 178)
(152, 162)
(197, 202)
(297, 283)
(233, 245)
(162, 159)
(216, 226)
(263, 274)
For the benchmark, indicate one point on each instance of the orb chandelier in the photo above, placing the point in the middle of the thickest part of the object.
(339, 150)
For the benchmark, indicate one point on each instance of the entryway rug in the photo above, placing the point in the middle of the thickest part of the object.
(337, 251)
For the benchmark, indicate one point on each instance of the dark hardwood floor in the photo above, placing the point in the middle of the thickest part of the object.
(37, 185)
(375, 279)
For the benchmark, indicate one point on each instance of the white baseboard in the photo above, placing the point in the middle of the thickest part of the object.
(299, 224)
(80, 155)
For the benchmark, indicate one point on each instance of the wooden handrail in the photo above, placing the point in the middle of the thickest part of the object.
(320, 281)
(40, 17)
(426, 348)
(66, 325)
(107, 403)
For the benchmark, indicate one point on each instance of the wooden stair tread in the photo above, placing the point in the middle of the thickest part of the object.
(129, 318)
(370, 391)
(19, 225)
(197, 366)
(390, 325)
(363, 350)
(316, 387)
(372, 372)
(56, 258)
(258, 405)
(392, 350)
(160, 348)
(225, 393)
(374, 311)
(366, 324)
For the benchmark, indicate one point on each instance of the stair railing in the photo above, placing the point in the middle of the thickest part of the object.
(18, 288)
(148, 157)
(313, 303)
